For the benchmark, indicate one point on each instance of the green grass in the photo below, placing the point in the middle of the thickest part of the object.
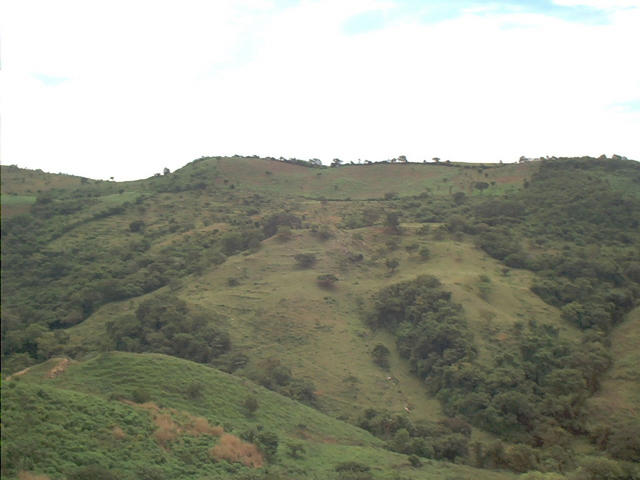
(54, 426)
(10, 200)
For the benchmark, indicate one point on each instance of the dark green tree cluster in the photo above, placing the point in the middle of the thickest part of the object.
(164, 324)
(537, 384)
(430, 329)
(446, 439)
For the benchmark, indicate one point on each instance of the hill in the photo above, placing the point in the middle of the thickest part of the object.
(82, 423)
(328, 285)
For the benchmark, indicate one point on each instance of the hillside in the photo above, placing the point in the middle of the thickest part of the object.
(470, 313)
(85, 409)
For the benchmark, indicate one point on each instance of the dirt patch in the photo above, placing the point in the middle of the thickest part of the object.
(17, 374)
(118, 433)
(305, 434)
(235, 450)
(171, 423)
(58, 369)
(31, 476)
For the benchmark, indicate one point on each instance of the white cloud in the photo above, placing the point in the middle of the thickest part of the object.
(154, 84)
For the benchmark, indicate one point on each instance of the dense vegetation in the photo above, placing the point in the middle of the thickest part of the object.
(177, 265)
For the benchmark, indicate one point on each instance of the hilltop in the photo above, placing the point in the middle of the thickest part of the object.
(328, 286)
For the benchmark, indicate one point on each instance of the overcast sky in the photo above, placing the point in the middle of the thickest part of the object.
(124, 88)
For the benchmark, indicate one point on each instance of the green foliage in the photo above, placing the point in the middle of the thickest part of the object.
(352, 470)
(164, 324)
(484, 287)
(392, 222)
(322, 232)
(326, 280)
(295, 450)
(392, 264)
(380, 355)
(305, 260)
(272, 223)
(251, 404)
(275, 376)
(268, 443)
(537, 379)
(140, 395)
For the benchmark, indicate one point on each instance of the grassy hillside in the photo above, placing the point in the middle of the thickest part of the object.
(278, 272)
(65, 422)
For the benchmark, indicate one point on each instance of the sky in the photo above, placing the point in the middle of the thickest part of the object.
(125, 88)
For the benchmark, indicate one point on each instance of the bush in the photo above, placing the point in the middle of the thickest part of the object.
(380, 355)
(251, 404)
(140, 395)
(268, 444)
(599, 468)
(305, 260)
(392, 264)
(195, 390)
(284, 233)
(94, 472)
(327, 280)
(352, 467)
(322, 232)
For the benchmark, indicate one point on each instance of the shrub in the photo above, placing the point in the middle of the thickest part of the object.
(295, 450)
(94, 472)
(352, 467)
(425, 253)
(322, 232)
(327, 280)
(140, 395)
(380, 355)
(251, 404)
(136, 225)
(284, 233)
(599, 468)
(194, 390)
(268, 443)
(232, 449)
(305, 260)
(392, 264)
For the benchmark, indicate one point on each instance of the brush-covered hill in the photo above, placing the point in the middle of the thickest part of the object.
(476, 314)
(130, 416)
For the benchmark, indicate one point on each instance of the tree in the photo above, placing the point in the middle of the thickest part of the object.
(392, 221)
(336, 162)
(392, 264)
(166, 171)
